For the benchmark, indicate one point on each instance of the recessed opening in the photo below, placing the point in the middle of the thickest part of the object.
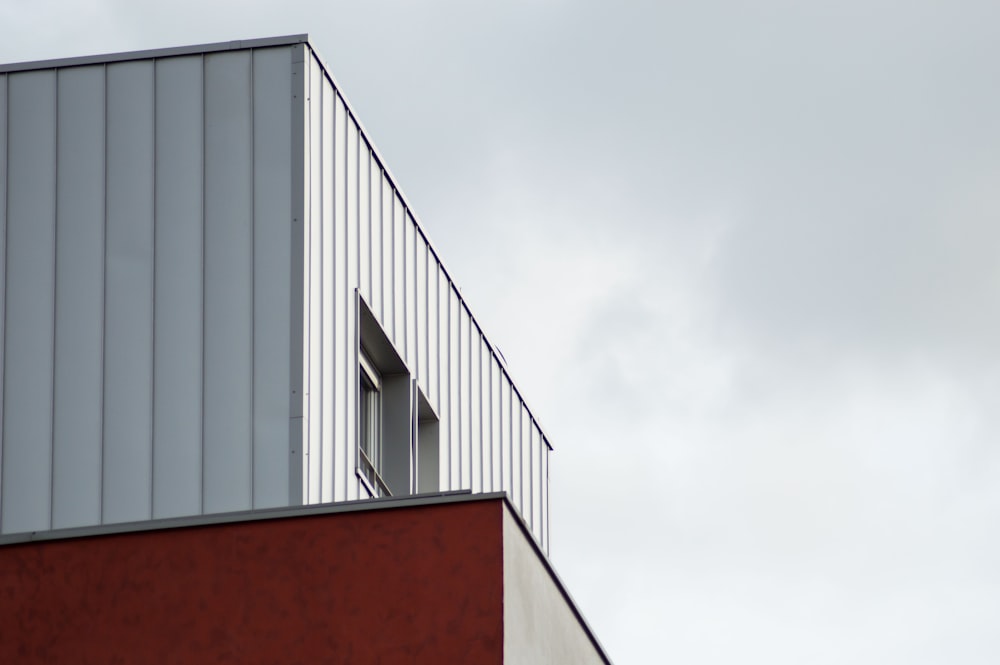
(398, 433)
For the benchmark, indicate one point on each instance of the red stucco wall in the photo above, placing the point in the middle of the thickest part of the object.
(407, 585)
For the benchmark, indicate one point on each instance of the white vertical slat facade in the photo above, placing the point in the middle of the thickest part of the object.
(187, 239)
(363, 238)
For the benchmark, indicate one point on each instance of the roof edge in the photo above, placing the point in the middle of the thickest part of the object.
(260, 514)
(214, 47)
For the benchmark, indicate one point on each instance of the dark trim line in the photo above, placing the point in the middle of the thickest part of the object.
(359, 505)
(155, 53)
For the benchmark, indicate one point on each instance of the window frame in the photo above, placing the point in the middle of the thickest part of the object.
(369, 458)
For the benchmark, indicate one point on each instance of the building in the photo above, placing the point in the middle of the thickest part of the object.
(219, 310)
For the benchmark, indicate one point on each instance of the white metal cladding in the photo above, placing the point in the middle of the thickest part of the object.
(184, 236)
(361, 236)
(144, 208)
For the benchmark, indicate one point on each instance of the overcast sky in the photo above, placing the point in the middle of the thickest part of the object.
(742, 258)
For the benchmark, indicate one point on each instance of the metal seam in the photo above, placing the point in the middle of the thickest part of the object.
(55, 292)
(345, 398)
(104, 301)
(204, 149)
(253, 276)
(152, 315)
(6, 219)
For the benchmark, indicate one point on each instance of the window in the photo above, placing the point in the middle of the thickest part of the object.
(397, 431)
(370, 430)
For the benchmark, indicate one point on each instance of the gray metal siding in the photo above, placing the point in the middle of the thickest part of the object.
(128, 350)
(362, 237)
(298, 232)
(3, 264)
(146, 215)
(179, 287)
(30, 301)
(79, 322)
(272, 277)
(228, 281)
(184, 238)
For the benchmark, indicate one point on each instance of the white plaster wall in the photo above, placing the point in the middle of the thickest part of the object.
(540, 626)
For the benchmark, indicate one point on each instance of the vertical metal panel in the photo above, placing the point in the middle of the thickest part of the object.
(410, 292)
(341, 289)
(3, 260)
(421, 340)
(454, 355)
(444, 375)
(178, 296)
(517, 437)
(310, 248)
(272, 274)
(79, 330)
(30, 284)
(485, 415)
(365, 219)
(315, 287)
(496, 441)
(528, 470)
(423, 315)
(432, 384)
(375, 231)
(543, 503)
(536, 503)
(545, 498)
(328, 289)
(517, 458)
(128, 346)
(506, 422)
(398, 332)
(475, 408)
(228, 281)
(542, 471)
(387, 310)
(352, 251)
(465, 396)
(298, 323)
(471, 447)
